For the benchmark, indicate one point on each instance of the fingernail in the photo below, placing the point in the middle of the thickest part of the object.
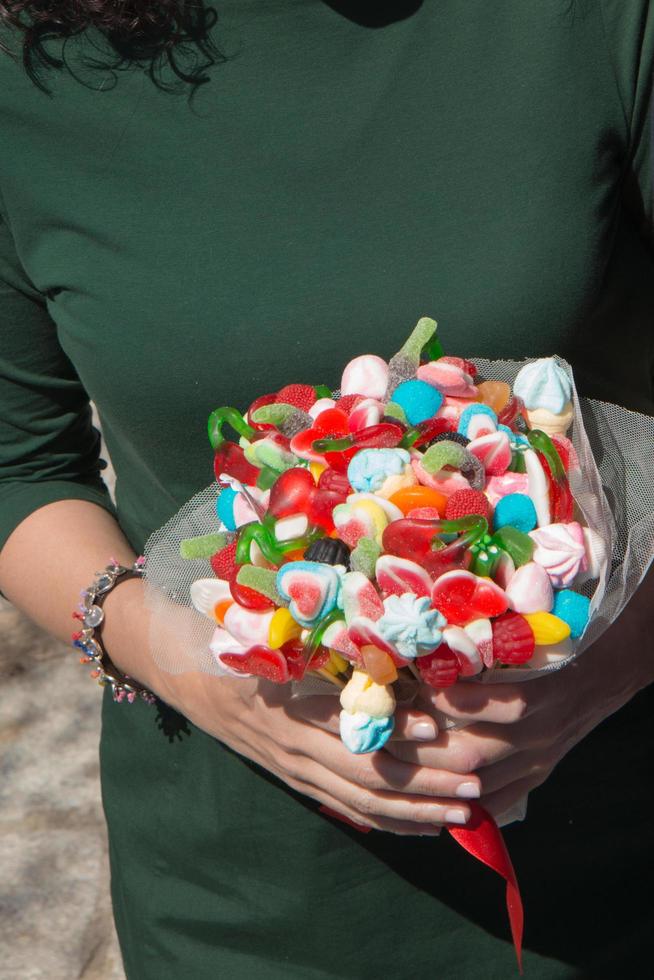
(425, 731)
(468, 791)
(433, 832)
(456, 816)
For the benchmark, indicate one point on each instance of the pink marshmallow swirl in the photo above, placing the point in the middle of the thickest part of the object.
(561, 550)
(449, 378)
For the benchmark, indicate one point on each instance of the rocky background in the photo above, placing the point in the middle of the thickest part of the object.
(55, 911)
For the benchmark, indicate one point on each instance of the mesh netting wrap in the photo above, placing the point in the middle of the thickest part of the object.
(613, 488)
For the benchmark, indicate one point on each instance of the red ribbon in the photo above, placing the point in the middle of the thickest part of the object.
(482, 838)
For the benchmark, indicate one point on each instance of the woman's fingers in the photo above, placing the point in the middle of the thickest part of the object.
(462, 751)
(500, 802)
(324, 711)
(502, 704)
(380, 771)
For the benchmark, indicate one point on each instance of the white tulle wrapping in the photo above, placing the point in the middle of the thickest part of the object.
(613, 488)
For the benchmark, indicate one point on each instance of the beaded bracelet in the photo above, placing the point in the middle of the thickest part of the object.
(88, 638)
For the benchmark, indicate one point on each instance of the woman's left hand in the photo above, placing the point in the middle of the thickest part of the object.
(516, 734)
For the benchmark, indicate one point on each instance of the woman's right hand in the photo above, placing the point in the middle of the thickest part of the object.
(295, 740)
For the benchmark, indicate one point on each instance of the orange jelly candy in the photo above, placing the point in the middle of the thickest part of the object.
(378, 664)
(495, 394)
(409, 498)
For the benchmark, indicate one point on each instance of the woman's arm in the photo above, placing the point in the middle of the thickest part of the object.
(54, 553)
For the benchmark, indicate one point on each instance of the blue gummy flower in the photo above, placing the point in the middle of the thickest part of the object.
(361, 733)
(225, 507)
(574, 609)
(515, 510)
(470, 413)
(368, 470)
(411, 625)
(419, 400)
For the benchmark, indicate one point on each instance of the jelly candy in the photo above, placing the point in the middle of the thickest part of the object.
(547, 628)
(365, 375)
(449, 378)
(519, 546)
(463, 646)
(262, 580)
(378, 665)
(358, 519)
(282, 629)
(272, 451)
(574, 609)
(530, 589)
(513, 639)
(419, 400)
(224, 563)
(230, 460)
(422, 435)
(259, 403)
(481, 633)
(293, 652)
(465, 502)
(291, 493)
(399, 575)
(473, 471)
(510, 412)
(291, 528)
(336, 637)
(311, 589)
(329, 551)
(409, 498)
(477, 420)
(365, 632)
(364, 557)
(335, 482)
(440, 668)
(227, 416)
(203, 546)
(403, 365)
(360, 598)
(495, 394)
(368, 412)
(321, 405)
(416, 540)
(299, 395)
(441, 454)
(493, 450)
(381, 436)
(261, 661)
(347, 402)
(462, 597)
(516, 510)
(321, 508)
(562, 502)
(249, 598)
(486, 557)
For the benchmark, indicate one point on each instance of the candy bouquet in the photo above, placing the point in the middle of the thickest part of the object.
(434, 520)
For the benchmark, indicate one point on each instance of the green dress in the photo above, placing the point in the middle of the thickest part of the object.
(349, 167)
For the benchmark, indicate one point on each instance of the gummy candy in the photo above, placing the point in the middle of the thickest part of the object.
(282, 629)
(248, 626)
(223, 562)
(330, 551)
(547, 628)
(477, 420)
(261, 661)
(299, 395)
(440, 668)
(364, 557)
(516, 510)
(419, 400)
(574, 609)
(493, 450)
(262, 580)
(441, 454)
(465, 502)
(203, 546)
(409, 498)
(465, 649)
(513, 639)
(360, 597)
(378, 665)
(230, 459)
(399, 575)
(291, 493)
(311, 589)
(462, 597)
(515, 543)
(248, 597)
(495, 394)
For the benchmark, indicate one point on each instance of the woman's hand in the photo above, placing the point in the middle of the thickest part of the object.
(517, 733)
(290, 739)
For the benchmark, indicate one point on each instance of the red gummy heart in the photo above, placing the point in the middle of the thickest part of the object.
(513, 639)
(260, 661)
(462, 597)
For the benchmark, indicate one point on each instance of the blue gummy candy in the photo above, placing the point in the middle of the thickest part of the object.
(225, 508)
(419, 400)
(574, 609)
(515, 510)
(467, 415)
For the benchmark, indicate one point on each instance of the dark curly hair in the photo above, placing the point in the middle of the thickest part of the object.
(137, 31)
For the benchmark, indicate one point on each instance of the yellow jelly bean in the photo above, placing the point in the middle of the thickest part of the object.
(548, 629)
(282, 628)
(378, 665)
(315, 469)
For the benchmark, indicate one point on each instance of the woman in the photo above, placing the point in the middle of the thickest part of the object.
(341, 172)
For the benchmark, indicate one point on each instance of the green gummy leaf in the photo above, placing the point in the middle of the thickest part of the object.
(322, 391)
(262, 580)
(444, 453)
(516, 543)
(364, 557)
(203, 546)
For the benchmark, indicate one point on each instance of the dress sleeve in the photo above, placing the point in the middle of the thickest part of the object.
(629, 27)
(49, 449)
